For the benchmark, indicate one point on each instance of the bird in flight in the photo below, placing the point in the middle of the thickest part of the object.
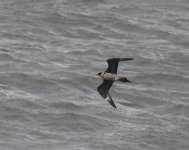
(109, 76)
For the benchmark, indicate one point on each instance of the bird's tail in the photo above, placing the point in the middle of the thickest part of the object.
(123, 79)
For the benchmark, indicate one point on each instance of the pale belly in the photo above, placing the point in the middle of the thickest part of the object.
(109, 76)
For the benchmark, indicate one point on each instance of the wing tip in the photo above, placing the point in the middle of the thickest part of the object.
(111, 102)
(125, 59)
(119, 59)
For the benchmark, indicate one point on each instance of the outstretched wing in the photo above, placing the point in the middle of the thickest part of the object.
(113, 64)
(104, 88)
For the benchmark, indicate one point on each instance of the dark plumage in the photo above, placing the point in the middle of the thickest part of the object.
(109, 76)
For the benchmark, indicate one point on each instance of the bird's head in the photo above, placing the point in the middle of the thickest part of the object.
(99, 74)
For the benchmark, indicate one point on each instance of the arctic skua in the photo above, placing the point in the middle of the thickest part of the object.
(109, 76)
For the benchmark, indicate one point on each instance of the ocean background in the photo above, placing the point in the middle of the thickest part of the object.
(50, 53)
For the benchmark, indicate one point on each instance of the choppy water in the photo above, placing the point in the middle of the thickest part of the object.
(50, 52)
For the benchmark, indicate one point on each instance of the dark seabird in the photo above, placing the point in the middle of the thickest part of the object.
(109, 76)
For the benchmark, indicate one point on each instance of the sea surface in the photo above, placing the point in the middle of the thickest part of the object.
(50, 53)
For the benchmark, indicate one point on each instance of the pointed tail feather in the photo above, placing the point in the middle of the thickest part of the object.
(123, 79)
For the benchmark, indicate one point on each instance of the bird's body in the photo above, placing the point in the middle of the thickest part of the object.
(109, 76)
